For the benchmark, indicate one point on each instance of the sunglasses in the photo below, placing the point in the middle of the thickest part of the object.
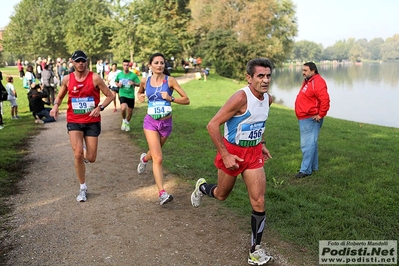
(80, 60)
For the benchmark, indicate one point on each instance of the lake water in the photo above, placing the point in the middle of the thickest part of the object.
(367, 93)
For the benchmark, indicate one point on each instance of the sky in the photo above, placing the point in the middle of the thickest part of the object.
(328, 21)
(321, 21)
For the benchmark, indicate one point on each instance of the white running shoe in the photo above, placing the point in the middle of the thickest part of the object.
(123, 126)
(82, 196)
(258, 257)
(165, 198)
(142, 165)
(127, 127)
(197, 195)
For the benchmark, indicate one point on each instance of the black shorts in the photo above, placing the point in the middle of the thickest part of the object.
(128, 101)
(116, 89)
(91, 129)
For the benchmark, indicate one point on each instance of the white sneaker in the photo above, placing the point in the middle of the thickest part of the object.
(258, 257)
(165, 198)
(123, 126)
(127, 127)
(82, 196)
(142, 165)
(197, 195)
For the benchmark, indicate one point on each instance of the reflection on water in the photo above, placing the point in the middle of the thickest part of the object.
(367, 93)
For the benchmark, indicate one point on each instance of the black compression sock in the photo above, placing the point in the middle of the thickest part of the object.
(208, 189)
(258, 220)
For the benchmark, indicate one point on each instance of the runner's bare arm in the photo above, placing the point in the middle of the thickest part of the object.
(141, 91)
(235, 105)
(183, 99)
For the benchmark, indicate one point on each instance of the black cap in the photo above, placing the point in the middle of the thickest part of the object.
(78, 55)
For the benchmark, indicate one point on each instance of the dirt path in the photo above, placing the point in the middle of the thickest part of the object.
(121, 223)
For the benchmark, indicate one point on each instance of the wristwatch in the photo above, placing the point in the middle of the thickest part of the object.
(101, 107)
(172, 98)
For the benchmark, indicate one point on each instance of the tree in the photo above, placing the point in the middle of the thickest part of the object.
(164, 27)
(307, 51)
(87, 29)
(36, 29)
(264, 28)
(375, 47)
(17, 35)
(146, 26)
(328, 53)
(228, 55)
(123, 21)
(272, 24)
(341, 50)
(364, 48)
(390, 49)
(356, 53)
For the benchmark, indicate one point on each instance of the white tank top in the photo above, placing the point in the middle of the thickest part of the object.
(246, 130)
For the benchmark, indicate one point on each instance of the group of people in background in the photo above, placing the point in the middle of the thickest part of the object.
(41, 80)
(191, 62)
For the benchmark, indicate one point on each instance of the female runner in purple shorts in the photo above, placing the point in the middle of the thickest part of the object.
(157, 125)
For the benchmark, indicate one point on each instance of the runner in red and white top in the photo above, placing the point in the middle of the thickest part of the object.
(83, 114)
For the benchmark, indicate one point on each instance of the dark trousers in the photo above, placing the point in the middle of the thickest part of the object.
(1, 116)
(50, 92)
(45, 113)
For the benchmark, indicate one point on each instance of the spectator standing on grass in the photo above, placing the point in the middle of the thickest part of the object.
(199, 61)
(112, 84)
(29, 76)
(144, 70)
(20, 68)
(157, 124)
(12, 97)
(39, 69)
(1, 101)
(242, 150)
(48, 84)
(126, 80)
(311, 106)
(43, 63)
(64, 71)
(71, 68)
(100, 68)
(83, 114)
(107, 69)
(58, 73)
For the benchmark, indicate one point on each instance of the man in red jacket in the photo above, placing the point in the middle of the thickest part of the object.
(311, 106)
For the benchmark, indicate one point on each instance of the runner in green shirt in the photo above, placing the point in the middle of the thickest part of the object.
(126, 81)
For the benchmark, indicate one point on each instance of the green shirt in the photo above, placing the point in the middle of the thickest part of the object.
(127, 90)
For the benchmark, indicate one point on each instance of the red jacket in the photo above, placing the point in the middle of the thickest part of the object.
(312, 98)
